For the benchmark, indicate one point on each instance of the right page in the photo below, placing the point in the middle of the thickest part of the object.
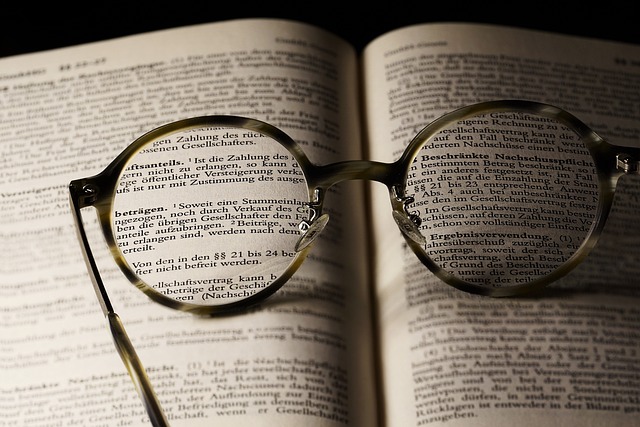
(567, 356)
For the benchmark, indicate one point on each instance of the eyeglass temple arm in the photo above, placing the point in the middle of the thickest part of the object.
(136, 371)
(121, 340)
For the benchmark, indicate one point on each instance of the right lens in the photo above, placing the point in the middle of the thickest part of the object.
(505, 198)
(209, 215)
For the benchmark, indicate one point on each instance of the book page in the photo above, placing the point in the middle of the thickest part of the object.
(567, 355)
(302, 357)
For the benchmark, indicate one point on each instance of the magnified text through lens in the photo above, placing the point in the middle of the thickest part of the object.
(505, 198)
(209, 215)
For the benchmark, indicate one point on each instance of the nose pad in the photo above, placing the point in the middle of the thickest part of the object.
(311, 231)
(409, 224)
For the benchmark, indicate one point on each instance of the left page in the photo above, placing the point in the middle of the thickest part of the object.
(303, 357)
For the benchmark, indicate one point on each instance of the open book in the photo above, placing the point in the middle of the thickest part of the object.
(362, 334)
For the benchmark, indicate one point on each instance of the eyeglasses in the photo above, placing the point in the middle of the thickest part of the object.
(213, 214)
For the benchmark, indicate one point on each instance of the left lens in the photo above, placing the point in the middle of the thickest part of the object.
(506, 198)
(208, 215)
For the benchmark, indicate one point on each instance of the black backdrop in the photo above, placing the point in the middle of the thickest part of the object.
(27, 27)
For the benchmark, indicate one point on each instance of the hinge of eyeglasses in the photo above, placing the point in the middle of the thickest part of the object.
(628, 164)
(89, 194)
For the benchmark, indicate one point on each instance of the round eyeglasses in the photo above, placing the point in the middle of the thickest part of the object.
(214, 213)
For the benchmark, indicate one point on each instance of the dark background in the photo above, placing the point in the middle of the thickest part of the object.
(27, 27)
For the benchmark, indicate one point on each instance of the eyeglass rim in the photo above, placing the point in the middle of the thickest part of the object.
(602, 153)
(105, 183)
(108, 179)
